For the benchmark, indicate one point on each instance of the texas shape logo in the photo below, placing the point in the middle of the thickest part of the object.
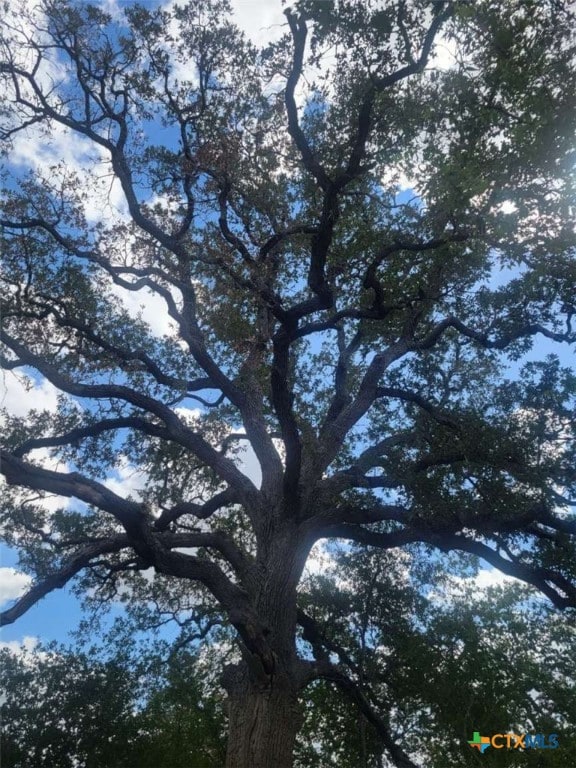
(481, 743)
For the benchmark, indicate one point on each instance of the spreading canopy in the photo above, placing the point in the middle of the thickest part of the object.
(339, 249)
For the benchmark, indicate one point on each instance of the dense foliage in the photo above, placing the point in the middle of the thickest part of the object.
(63, 709)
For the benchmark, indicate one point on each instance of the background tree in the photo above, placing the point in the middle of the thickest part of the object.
(184, 725)
(440, 659)
(67, 709)
(365, 343)
(58, 710)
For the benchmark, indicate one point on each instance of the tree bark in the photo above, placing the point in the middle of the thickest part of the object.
(264, 719)
(264, 714)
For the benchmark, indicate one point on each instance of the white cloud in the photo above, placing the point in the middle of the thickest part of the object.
(28, 24)
(26, 649)
(64, 158)
(507, 206)
(262, 22)
(247, 461)
(445, 54)
(42, 457)
(188, 415)
(394, 176)
(147, 306)
(456, 586)
(20, 393)
(46, 153)
(33, 149)
(248, 464)
(26, 645)
(491, 577)
(57, 152)
(129, 480)
(111, 7)
(13, 584)
(319, 561)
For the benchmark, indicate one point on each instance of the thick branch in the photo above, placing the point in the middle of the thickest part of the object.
(218, 540)
(200, 511)
(77, 434)
(61, 577)
(559, 590)
(177, 431)
(484, 340)
(71, 484)
(373, 512)
(282, 400)
(334, 432)
(299, 33)
(443, 11)
(413, 397)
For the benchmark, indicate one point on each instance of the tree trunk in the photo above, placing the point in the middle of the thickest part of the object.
(263, 720)
(263, 709)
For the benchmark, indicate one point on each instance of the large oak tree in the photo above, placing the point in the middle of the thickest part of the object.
(356, 245)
